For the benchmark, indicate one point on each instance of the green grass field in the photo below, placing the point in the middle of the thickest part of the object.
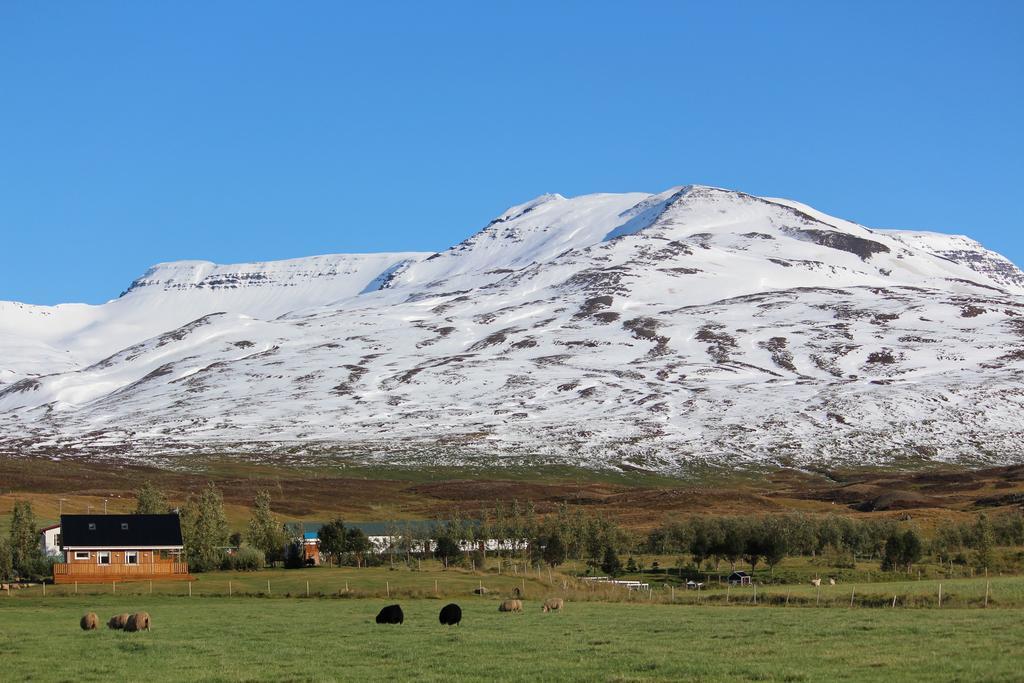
(248, 639)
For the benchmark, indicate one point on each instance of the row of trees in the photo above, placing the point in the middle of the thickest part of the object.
(522, 535)
(528, 537)
(843, 539)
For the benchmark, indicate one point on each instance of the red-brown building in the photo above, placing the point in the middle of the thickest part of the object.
(105, 548)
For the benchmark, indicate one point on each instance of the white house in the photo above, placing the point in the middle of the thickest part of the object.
(49, 541)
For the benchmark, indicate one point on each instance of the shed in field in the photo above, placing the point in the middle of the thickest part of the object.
(739, 578)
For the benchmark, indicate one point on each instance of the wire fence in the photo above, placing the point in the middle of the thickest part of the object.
(1006, 592)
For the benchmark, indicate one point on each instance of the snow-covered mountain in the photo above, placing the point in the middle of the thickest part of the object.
(695, 326)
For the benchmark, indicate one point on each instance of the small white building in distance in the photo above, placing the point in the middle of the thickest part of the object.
(49, 541)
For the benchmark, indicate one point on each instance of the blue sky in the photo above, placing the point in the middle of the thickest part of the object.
(133, 133)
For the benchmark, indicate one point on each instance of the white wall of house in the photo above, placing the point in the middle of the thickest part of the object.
(49, 540)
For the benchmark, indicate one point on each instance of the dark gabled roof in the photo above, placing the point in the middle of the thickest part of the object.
(738, 573)
(138, 531)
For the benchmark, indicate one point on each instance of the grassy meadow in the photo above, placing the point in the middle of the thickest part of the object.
(279, 639)
(791, 633)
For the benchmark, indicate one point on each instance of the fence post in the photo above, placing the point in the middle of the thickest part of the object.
(151, 586)
(268, 586)
(229, 588)
(76, 588)
(817, 597)
(435, 586)
(987, 585)
(894, 602)
(940, 595)
(190, 589)
(113, 587)
(44, 589)
(307, 589)
(854, 591)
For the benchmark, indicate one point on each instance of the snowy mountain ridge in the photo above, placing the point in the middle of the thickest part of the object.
(656, 331)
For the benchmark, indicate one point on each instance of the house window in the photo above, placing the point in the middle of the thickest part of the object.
(81, 554)
(124, 526)
(165, 555)
(131, 557)
(92, 526)
(103, 558)
(56, 540)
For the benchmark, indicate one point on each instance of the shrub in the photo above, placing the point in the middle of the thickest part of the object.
(246, 559)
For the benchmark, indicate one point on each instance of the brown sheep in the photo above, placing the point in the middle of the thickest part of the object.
(90, 622)
(552, 604)
(118, 621)
(511, 606)
(139, 621)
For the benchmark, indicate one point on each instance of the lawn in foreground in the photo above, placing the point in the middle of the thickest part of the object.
(336, 639)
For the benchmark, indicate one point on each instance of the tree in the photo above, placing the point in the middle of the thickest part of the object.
(902, 551)
(6, 565)
(295, 554)
(26, 555)
(554, 550)
(912, 548)
(332, 540)
(984, 540)
(893, 554)
(447, 549)
(265, 531)
(150, 500)
(204, 527)
(610, 563)
(775, 542)
(357, 544)
(734, 542)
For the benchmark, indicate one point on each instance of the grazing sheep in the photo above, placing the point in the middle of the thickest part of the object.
(552, 604)
(450, 615)
(118, 621)
(139, 621)
(511, 606)
(392, 614)
(90, 622)
(831, 582)
(482, 590)
(815, 582)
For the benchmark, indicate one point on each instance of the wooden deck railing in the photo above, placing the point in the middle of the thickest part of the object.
(119, 572)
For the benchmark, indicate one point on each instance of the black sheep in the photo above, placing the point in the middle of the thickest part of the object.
(392, 614)
(451, 615)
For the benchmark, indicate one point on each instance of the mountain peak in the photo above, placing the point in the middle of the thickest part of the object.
(700, 324)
